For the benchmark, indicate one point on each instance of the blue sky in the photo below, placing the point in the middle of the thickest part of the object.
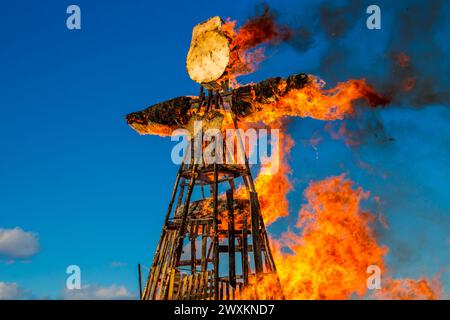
(95, 192)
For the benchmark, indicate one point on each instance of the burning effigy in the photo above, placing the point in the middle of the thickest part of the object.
(217, 246)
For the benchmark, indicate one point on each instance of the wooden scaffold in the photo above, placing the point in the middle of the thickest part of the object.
(213, 243)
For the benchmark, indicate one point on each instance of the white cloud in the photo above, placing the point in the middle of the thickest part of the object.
(12, 291)
(16, 243)
(95, 292)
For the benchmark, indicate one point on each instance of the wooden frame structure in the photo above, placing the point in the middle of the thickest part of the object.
(215, 247)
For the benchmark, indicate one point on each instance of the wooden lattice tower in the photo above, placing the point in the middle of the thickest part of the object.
(213, 244)
(216, 246)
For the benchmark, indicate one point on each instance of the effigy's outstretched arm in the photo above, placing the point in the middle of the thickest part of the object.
(165, 117)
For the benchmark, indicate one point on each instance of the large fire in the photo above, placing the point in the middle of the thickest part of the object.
(328, 257)
(327, 254)
(333, 244)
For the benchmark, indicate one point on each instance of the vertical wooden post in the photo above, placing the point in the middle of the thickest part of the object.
(167, 266)
(205, 234)
(216, 234)
(256, 236)
(140, 280)
(156, 271)
(193, 238)
(244, 251)
(182, 230)
(231, 241)
(181, 193)
(171, 284)
(227, 290)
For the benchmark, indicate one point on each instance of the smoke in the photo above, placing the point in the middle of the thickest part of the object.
(414, 53)
(262, 29)
(407, 63)
(404, 60)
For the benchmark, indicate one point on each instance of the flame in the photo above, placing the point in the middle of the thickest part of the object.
(327, 255)
(328, 258)
(272, 189)
(316, 102)
(247, 43)
(310, 101)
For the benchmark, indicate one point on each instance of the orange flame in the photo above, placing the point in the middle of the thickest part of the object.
(272, 189)
(316, 102)
(329, 258)
(310, 101)
(246, 42)
(328, 255)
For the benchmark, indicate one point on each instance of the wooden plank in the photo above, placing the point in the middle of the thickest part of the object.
(166, 267)
(206, 284)
(157, 270)
(192, 288)
(183, 288)
(140, 281)
(224, 248)
(181, 193)
(220, 293)
(211, 285)
(244, 252)
(200, 285)
(268, 252)
(256, 236)
(231, 240)
(177, 286)
(216, 229)
(180, 287)
(171, 284)
(197, 286)
(205, 235)
(189, 287)
(193, 249)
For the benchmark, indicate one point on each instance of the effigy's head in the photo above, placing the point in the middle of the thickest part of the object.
(209, 53)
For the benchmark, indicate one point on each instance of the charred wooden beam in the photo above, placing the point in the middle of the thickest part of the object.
(224, 249)
(231, 242)
(244, 253)
(256, 235)
(193, 238)
(164, 117)
(205, 232)
(216, 234)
